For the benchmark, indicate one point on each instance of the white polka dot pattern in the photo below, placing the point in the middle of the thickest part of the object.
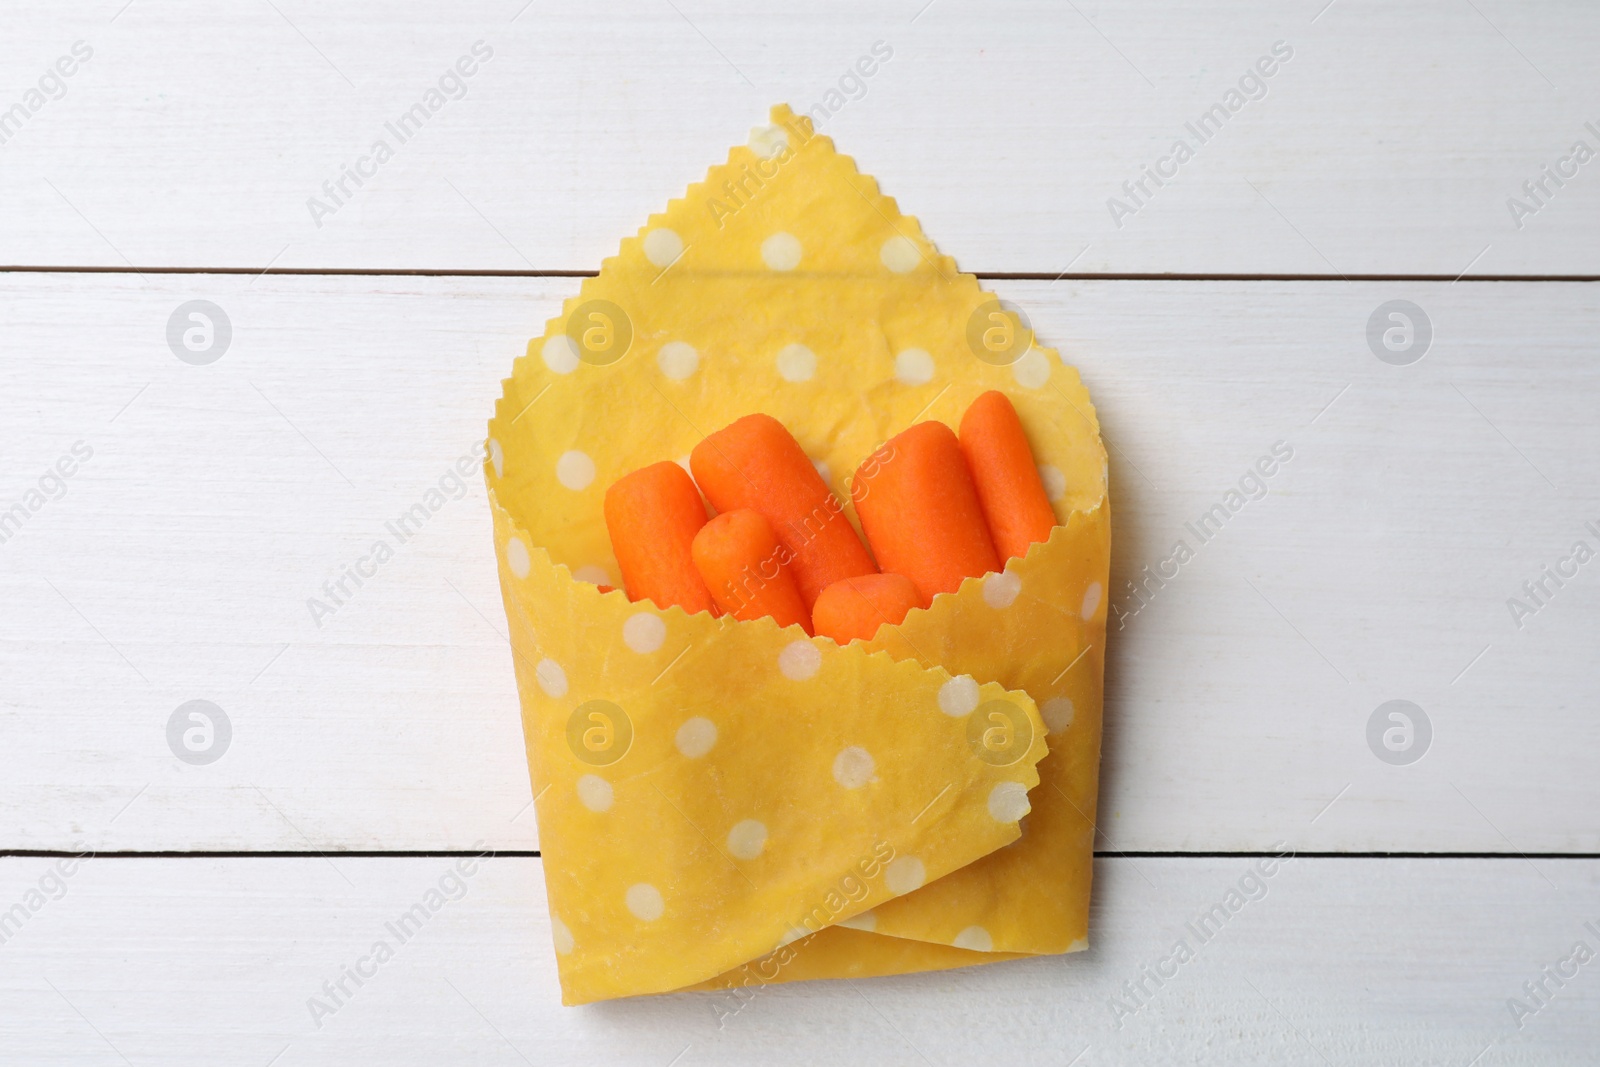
(854, 767)
(517, 557)
(575, 470)
(644, 900)
(797, 363)
(644, 632)
(900, 254)
(595, 792)
(914, 366)
(1008, 802)
(781, 251)
(662, 247)
(975, 938)
(800, 660)
(678, 360)
(959, 696)
(904, 874)
(696, 737)
(552, 679)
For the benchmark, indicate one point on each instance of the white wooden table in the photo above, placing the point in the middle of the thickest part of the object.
(176, 517)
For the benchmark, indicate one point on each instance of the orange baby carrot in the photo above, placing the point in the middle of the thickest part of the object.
(921, 512)
(1007, 480)
(755, 463)
(652, 516)
(856, 607)
(737, 556)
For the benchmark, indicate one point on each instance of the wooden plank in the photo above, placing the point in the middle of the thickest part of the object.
(219, 498)
(1391, 140)
(1324, 961)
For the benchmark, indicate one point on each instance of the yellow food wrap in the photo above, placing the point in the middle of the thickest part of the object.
(726, 804)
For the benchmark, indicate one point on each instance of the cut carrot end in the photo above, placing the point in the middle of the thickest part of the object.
(652, 515)
(855, 607)
(921, 513)
(744, 566)
(756, 464)
(1015, 505)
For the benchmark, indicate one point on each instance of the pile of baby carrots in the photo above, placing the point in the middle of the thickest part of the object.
(936, 509)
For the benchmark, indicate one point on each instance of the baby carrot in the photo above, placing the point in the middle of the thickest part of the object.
(737, 556)
(921, 512)
(755, 463)
(856, 607)
(652, 516)
(1013, 497)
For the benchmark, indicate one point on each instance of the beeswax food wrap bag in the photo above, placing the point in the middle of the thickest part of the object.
(725, 803)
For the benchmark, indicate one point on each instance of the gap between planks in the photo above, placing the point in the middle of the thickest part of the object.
(25, 853)
(1001, 276)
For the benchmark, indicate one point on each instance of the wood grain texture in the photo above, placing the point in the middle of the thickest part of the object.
(1389, 143)
(1334, 961)
(179, 562)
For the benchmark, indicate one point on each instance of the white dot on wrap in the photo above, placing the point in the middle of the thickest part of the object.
(899, 254)
(822, 469)
(595, 792)
(904, 874)
(799, 660)
(975, 938)
(781, 251)
(1055, 483)
(768, 141)
(790, 936)
(1000, 589)
(663, 246)
(497, 456)
(575, 470)
(1057, 713)
(644, 900)
(1091, 601)
(867, 920)
(1032, 370)
(1008, 802)
(560, 354)
(561, 936)
(747, 839)
(517, 557)
(797, 363)
(678, 360)
(552, 679)
(696, 737)
(594, 575)
(958, 696)
(914, 366)
(854, 767)
(644, 632)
